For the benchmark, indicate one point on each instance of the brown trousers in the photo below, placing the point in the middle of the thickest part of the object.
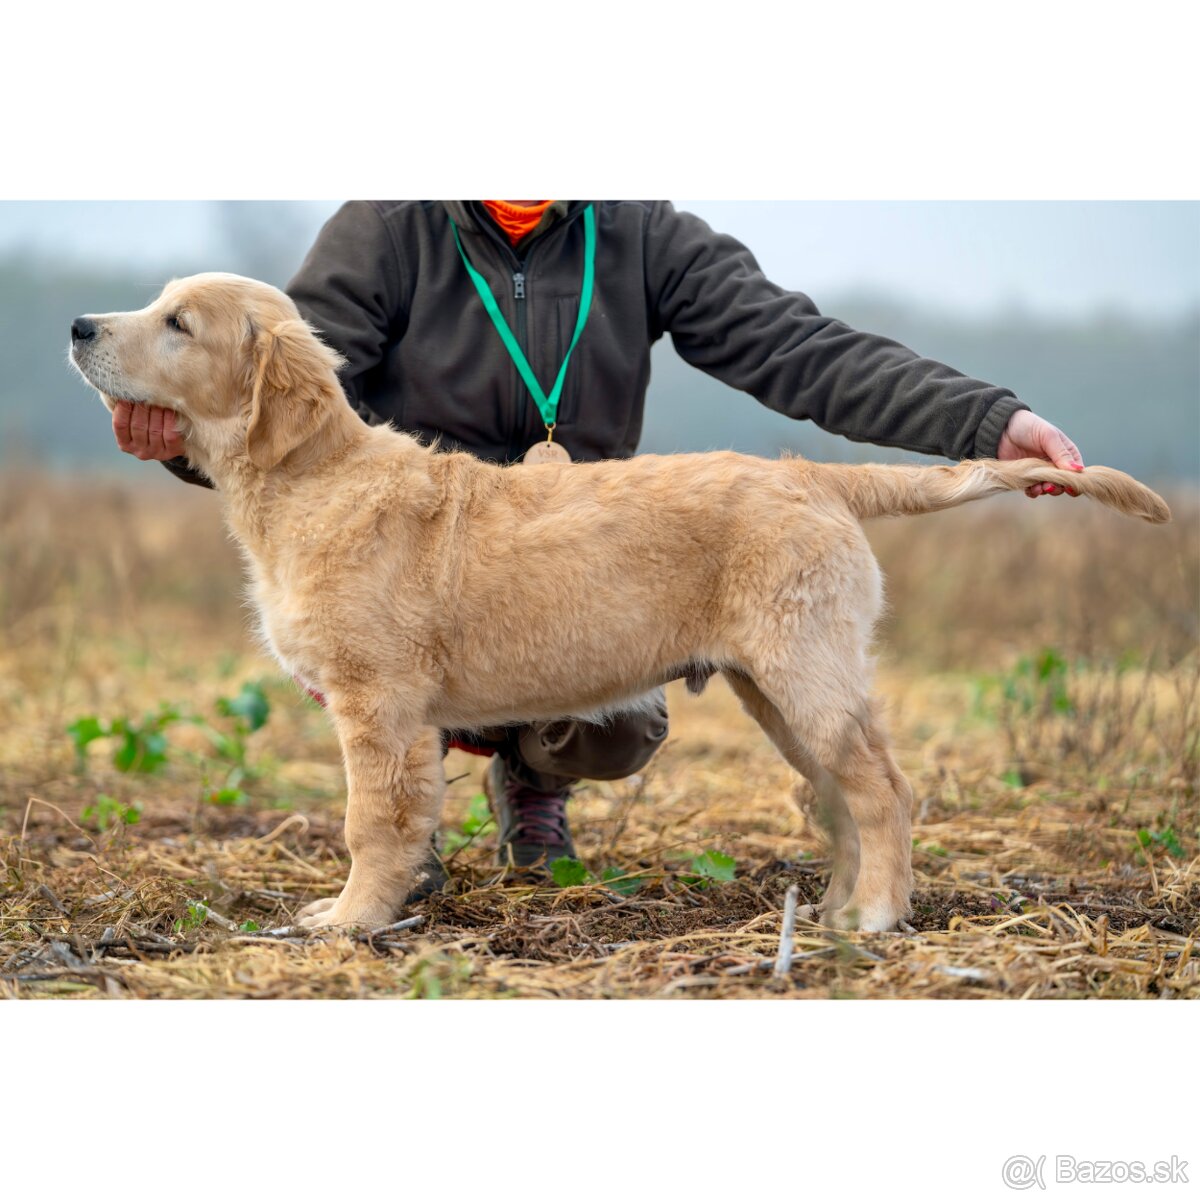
(550, 755)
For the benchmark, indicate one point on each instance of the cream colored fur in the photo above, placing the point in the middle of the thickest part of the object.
(420, 590)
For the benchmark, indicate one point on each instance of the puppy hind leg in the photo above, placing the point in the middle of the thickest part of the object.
(880, 801)
(841, 727)
(832, 810)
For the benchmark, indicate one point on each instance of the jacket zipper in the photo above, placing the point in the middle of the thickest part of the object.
(522, 392)
(520, 298)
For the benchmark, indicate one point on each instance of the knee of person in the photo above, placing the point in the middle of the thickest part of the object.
(632, 744)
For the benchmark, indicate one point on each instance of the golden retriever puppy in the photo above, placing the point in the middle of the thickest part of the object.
(420, 590)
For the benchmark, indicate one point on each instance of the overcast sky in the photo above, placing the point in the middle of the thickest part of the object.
(970, 257)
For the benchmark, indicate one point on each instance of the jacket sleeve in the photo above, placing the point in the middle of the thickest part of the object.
(728, 319)
(181, 468)
(349, 289)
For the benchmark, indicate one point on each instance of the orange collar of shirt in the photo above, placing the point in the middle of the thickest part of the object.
(516, 222)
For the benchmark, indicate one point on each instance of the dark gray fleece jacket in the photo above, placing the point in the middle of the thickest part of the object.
(385, 286)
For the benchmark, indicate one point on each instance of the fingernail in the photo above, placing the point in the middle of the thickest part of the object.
(1077, 466)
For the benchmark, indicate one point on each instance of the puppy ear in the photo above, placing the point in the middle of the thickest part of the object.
(294, 394)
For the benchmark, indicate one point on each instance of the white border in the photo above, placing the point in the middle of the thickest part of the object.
(926, 99)
(585, 1099)
(919, 100)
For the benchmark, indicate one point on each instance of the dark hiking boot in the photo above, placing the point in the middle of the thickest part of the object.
(532, 821)
(434, 877)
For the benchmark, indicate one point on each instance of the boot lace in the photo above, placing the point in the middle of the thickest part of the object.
(540, 816)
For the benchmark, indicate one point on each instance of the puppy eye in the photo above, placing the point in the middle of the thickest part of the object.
(173, 322)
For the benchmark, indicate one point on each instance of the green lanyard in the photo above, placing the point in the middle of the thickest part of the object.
(547, 405)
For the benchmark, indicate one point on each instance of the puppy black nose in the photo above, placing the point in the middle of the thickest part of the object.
(83, 329)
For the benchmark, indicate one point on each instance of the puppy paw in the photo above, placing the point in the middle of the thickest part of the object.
(343, 915)
(866, 918)
(316, 907)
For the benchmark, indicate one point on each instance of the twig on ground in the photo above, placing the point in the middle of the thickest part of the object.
(46, 804)
(49, 895)
(66, 955)
(215, 917)
(150, 936)
(783, 960)
(104, 897)
(270, 941)
(299, 933)
(766, 964)
(962, 972)
(407, 923)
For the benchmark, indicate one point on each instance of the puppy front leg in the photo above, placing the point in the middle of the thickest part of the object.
(394, 797)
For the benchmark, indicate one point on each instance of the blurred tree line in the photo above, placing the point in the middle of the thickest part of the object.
(1126, 388)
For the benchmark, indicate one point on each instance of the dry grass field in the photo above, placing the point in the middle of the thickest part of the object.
(1041, 673)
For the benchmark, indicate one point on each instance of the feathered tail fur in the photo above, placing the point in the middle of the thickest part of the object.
(874, 490)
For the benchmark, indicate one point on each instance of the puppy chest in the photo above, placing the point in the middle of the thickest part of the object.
(290, 632)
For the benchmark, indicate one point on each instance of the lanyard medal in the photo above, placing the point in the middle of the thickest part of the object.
(549, 450)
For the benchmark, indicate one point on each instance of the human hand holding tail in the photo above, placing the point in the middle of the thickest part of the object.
(1029, 436)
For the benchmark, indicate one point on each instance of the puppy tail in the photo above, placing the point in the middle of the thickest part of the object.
(872, 490)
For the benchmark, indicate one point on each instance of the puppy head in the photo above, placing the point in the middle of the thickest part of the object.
(229, 355)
